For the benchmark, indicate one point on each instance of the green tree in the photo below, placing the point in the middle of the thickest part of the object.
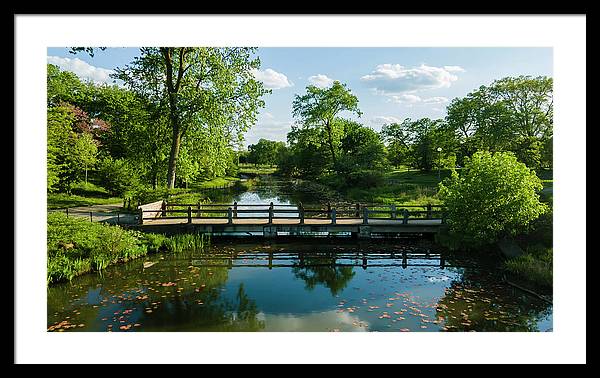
(205, 87)
(361, 148)
(59, 131)
(505, 116)
(264, 151)
(395, 136)
(494, 197)
(118, 176)
(84, 152)
(320, 106)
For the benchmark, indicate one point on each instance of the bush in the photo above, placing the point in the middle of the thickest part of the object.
(118, 177)
(495, 196)
(364, 179)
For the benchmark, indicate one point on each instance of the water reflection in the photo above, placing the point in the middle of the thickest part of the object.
(309, 287)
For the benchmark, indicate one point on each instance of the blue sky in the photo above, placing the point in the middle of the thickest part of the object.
(390, 83)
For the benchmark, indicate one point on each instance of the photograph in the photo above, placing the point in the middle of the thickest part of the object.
(278, 189)
(238, 186)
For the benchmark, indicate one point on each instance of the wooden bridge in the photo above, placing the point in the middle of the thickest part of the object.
(270, 220)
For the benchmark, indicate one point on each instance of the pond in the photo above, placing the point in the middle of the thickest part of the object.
(321, 284)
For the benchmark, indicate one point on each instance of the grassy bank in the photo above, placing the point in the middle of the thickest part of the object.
(76, 246)
(251, 169)
(399, 186)
(82, 194)
(534, 268)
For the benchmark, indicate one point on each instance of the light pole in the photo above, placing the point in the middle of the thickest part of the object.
(439, 150)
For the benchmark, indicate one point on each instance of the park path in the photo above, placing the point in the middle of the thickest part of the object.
(107, 213)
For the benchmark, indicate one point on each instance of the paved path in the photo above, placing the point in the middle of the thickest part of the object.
(109, 213)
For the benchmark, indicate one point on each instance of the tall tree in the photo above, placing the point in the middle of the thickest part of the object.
(320, 106)
(201, 86)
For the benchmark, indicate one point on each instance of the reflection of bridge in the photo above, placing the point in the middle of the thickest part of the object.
(269, 220)
(311, 260)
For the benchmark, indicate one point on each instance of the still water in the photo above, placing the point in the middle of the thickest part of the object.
(323, 285)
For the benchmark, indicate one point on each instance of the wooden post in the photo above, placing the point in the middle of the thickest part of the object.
(91, 220)
(271, 213)
(365, 215)
(124, 203)
(332, 216)
(393, 208)
(235, 209)
(358, 210)
(67, 211)
(270, 260)
(118, 218)
(428, 211)
(301, 212)
(189, 214)
(405, 216)
(229, 215)
(140, 216)
(163, 208)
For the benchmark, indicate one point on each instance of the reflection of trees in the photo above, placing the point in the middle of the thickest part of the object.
(180, 295)
(481, 302)
(242, 315)
(315, 270)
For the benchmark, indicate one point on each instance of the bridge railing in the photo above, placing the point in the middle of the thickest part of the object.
(404, 213)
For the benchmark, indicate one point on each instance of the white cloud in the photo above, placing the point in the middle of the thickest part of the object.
(385, 120)
(436, 100)
(410, 99)
(406, 99)
(272, 79)
(454, 69)
(320, 81)
(268, 127)
(394, 79)
(82, 69)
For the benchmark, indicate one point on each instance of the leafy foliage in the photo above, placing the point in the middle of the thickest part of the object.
(494, 196)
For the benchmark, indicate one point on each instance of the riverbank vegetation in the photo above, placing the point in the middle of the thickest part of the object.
(76, 246)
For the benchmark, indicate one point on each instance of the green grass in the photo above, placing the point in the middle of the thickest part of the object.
(402, 187)
(251, 169)
(82, 194)
(534, 267)
(76, 246)
(215, 183)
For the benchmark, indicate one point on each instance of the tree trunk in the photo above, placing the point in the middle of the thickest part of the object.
(173, 157)
(330, 140)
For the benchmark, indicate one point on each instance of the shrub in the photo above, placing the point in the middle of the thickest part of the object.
(118, 176)
(364, 179)
(495, 196)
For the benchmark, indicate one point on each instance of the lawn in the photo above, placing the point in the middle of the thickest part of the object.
(82, 194)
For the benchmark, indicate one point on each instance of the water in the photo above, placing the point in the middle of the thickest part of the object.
(318, 285)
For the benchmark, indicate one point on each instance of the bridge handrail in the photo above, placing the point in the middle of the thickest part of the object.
(162, 209)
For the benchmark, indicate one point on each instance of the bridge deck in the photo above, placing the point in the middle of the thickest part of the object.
(287, 221)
